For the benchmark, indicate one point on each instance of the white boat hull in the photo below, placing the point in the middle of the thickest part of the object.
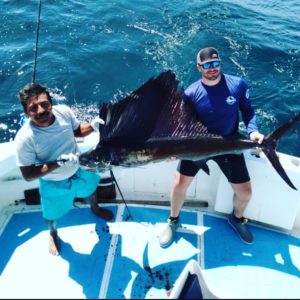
(273, 201)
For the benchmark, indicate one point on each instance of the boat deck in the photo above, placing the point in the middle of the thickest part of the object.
(123, 259)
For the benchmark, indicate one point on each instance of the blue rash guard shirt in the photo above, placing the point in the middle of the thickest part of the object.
(218, 106)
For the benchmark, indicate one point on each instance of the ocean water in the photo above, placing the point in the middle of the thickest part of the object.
(95, 51)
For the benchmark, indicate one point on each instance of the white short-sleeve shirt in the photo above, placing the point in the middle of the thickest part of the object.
(37, 145)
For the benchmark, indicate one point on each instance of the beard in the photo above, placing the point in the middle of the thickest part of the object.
(211, 75)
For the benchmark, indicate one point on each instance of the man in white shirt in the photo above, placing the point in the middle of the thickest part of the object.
(46, 149)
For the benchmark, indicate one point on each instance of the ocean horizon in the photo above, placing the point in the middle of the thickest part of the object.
(91, 52)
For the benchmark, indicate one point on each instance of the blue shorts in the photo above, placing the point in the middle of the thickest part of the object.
(57, 197)
(232, 165)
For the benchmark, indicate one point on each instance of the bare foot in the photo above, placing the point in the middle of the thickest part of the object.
(54, 243)
(102, 212)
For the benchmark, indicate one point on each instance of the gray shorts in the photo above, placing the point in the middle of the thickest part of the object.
(232, 165)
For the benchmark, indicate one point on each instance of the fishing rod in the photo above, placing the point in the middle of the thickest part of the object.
(24, 117)
(36, 42)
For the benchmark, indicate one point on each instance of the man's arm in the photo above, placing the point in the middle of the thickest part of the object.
(249, 116)
(85, 129)
(33, 172)
(256, 136)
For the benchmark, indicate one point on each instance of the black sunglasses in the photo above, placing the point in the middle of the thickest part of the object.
(44, 104)
(210, 65)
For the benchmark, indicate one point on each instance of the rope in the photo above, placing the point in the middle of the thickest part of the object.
(36, 42)
(115, 180)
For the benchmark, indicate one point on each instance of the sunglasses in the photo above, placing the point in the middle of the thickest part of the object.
(210, 65)
(35, 107)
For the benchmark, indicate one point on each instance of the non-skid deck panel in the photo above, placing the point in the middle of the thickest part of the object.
(120, 259)
(268, 268)
(29, 271)
(141, 268)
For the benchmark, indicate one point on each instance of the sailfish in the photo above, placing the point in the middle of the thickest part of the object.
(151, 124)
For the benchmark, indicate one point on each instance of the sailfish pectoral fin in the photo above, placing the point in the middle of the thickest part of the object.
(274, 160)
(205, 167)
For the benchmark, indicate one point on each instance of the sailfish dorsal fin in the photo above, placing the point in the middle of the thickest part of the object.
(154, 110)
(135, 116)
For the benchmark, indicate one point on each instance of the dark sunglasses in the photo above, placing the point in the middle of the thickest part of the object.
(212, 64)
(34, 108)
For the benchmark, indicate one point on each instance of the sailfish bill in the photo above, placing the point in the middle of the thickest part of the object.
(151, 125)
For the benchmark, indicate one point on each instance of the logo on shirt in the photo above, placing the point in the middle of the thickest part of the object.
(247, 94)
(230, 100)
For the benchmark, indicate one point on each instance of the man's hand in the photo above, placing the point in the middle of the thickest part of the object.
(69, 159)
(96, 123)
(256, 136)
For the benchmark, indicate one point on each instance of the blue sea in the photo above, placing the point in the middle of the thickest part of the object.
(94, 51)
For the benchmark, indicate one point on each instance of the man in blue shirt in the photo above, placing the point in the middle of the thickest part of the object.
(217, 99)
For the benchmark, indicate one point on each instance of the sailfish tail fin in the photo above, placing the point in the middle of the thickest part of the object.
(269, 146)
(280, 131)
(274, 160)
